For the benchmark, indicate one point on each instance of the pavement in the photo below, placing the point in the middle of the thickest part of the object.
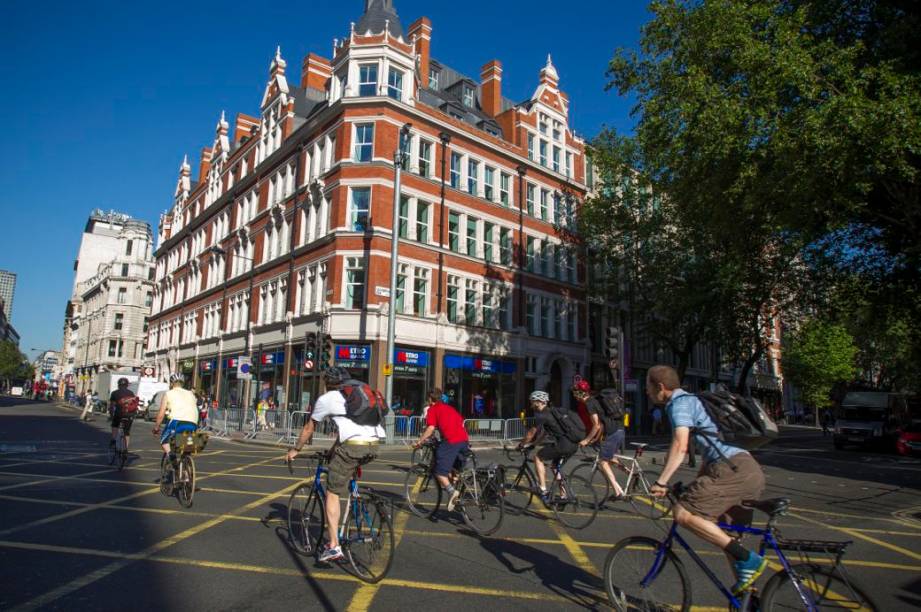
(75, 534)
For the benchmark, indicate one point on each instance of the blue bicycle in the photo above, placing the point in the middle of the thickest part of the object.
(365, 532)
(643, 573)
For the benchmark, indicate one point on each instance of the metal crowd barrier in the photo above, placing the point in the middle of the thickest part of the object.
(485, 429)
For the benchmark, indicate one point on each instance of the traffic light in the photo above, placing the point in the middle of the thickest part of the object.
(310, 346)
(612, 344)
(326, 356)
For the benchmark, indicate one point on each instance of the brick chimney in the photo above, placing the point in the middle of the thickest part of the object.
(491, 88)
(316, 72)
(204, 165)
(421, 32)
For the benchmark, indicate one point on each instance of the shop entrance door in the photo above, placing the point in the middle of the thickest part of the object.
(556, 384)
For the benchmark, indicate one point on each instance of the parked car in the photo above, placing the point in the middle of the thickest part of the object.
(909, 440)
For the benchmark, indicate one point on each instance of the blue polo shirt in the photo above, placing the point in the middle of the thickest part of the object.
(685, 410)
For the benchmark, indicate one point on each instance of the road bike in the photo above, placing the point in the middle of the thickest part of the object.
(179, 479)
(480, 502)
(572, 499)
(118, 452)
(643, 573)
(366, 529)
(636, 486)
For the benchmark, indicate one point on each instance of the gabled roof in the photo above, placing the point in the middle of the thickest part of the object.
(380, 15)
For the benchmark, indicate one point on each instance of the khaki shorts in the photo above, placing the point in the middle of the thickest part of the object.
(718, 491)
(345, 460)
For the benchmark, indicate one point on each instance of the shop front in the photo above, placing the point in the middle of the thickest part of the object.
(481, 387)
(411, 380)
(231, 387)
(207, 377)
(356, 358)
(270, 374)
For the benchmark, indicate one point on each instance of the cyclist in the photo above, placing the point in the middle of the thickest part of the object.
(728, 475)
(181, 406)
(356, 445)
(123, 404)
(454, 442)
(557, 449)
(600, 423)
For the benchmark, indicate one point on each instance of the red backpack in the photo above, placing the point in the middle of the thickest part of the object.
(128, 405)
(363, 405)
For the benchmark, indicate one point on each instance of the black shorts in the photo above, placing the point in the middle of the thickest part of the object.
(449, 456)
(117, 419)
(556, 452)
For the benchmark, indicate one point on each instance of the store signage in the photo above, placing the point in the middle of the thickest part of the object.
(230, 363)
(148, 372)
(353, 356)
(208, 366)
(480, 365)
(411, 358)
(382, 291)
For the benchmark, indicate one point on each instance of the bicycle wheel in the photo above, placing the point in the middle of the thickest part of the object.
(369, 540)
(306, 520)
(166, 477)
(112, 453)
(122, 457)
(421, 489)
(596, 477)
(630, 562)
(185, 486)
(573, 501)
(518, 493)
(824, 586)
(482, 507)
(644, 504)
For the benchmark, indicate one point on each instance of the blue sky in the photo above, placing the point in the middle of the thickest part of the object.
(102, 99)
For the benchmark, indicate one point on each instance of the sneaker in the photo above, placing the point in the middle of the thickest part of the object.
(452, 501)
(331, 554)
(747, 572)
(545, 497)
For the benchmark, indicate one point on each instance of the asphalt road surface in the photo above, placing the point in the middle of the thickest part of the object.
(76, 535)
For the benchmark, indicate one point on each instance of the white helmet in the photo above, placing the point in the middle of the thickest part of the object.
(540, 396)
(176, 378)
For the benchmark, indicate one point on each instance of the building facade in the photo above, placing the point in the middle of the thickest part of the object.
(105, 319)
(7, 331)
(286, 231)
(7, 292)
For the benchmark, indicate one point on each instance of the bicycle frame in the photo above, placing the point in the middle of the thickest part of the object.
(352, 505)
(767, 539)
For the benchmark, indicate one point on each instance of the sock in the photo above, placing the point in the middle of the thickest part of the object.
(737, 552)
(449, 489)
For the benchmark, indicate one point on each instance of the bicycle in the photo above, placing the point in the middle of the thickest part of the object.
(571, 498)
(179, 480)
(657, 579)
(480, 502)
(636, 487)
(365, 532)
(118, 452)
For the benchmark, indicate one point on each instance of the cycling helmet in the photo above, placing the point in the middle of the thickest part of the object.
(176, 378)
(580, 385)
(336, 375)
(123, 382)
(540, 396)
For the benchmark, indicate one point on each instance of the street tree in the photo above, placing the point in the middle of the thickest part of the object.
(818, 355)
(773, 125)
(13, 364)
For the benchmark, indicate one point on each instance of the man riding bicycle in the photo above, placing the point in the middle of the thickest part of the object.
(455, 441)
(549, 428)
(356, 445)
(123, 404)
(600, 422)
(182, 408)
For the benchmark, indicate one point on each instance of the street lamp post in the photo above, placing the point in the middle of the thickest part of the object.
(398, 158)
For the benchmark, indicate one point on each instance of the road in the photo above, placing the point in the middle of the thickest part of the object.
(75, 534)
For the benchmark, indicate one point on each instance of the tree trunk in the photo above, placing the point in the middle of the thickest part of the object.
(742, 387)
(684, 359)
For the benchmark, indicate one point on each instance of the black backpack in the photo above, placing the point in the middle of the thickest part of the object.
(363, 405)
(612, 404)
(741, 420)
(571, 425)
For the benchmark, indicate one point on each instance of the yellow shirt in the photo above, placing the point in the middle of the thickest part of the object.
(181, 405)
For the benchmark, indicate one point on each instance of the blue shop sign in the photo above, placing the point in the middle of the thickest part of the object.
(353, 356)
(410, 358)
(480, 364)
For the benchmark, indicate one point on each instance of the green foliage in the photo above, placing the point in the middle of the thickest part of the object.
(817, 356)
(13, 364)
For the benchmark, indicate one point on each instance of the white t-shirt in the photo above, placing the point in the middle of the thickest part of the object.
(181, 405)
(332, 405)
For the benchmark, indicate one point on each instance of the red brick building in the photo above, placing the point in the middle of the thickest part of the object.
(298, 201)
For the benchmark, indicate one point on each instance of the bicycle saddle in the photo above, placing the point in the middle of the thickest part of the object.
(639, 444)
(771, 507)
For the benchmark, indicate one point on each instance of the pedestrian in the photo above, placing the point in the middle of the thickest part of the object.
(87, 408)
(729, 476)
(828, 421)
